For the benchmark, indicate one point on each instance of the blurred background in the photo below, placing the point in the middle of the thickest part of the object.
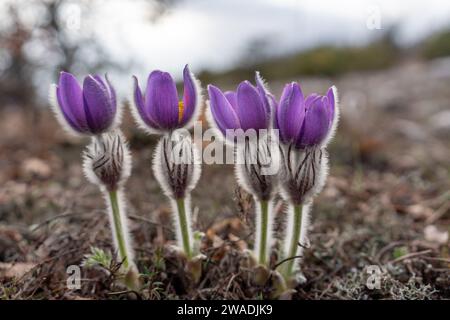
(390, 61)
(283, 39)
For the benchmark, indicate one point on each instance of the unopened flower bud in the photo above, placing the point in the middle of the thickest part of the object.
(107, 160)
(176, 164)
(303, 173)
(257, 166)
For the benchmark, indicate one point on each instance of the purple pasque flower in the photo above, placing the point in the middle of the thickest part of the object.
(159, 109)
(89, 110)
(248, 107)
(306, 122)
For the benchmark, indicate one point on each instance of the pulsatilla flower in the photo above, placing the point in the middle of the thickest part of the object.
(175, 162)
(306, 125)
(159, 110)
(244, 119)
(248, 107)
(92, 110)
(305, 122)
(107, 163)
(87, 110)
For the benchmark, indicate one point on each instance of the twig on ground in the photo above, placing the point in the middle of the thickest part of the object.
(410, 256)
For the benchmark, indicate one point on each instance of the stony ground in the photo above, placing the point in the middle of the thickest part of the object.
(386, 203)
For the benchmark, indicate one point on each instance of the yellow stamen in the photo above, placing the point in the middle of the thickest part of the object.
(180, 110)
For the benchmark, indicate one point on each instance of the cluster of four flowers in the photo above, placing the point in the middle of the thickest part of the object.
(304, 126)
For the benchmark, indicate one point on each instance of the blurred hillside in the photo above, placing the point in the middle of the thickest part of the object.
(332, 61)
(37, 42)
(438, 45)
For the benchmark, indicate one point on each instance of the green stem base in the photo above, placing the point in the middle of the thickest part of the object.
(288, 267)
(263, 258)
(184, 227)
(131, 279)
(119, 229)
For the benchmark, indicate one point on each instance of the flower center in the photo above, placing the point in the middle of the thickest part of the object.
(180, 110)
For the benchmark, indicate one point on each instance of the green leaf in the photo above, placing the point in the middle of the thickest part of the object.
(97, 257)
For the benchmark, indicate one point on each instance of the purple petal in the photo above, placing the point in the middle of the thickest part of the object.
(263, 92)
(272, 101)
(310, 99)
(190, 96)
(97, 105)
(232, 98)
(109, 88)
(70, 100)
(290, 113)
(250, 108)
(273, 106)
(331, 105)
(140, 105)
(99, 79)
(316, 124)
(112, 92)
(222, 111)
(161, 100)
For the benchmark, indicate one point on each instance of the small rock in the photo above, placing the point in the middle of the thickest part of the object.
(14, 270)
(432, 234)
(440, 122)
(419, 211)
(34, 167)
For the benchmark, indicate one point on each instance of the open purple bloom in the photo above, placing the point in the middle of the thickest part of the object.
(305, 122)
(246, 108)
(90, 109)
(159, 109)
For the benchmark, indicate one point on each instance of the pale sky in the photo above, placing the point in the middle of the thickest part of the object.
(215, 34)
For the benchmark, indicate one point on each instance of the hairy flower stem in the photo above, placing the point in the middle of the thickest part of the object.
(119, 229)
(294, 241)
(176, 167)
(262, 257)
(184, 227)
